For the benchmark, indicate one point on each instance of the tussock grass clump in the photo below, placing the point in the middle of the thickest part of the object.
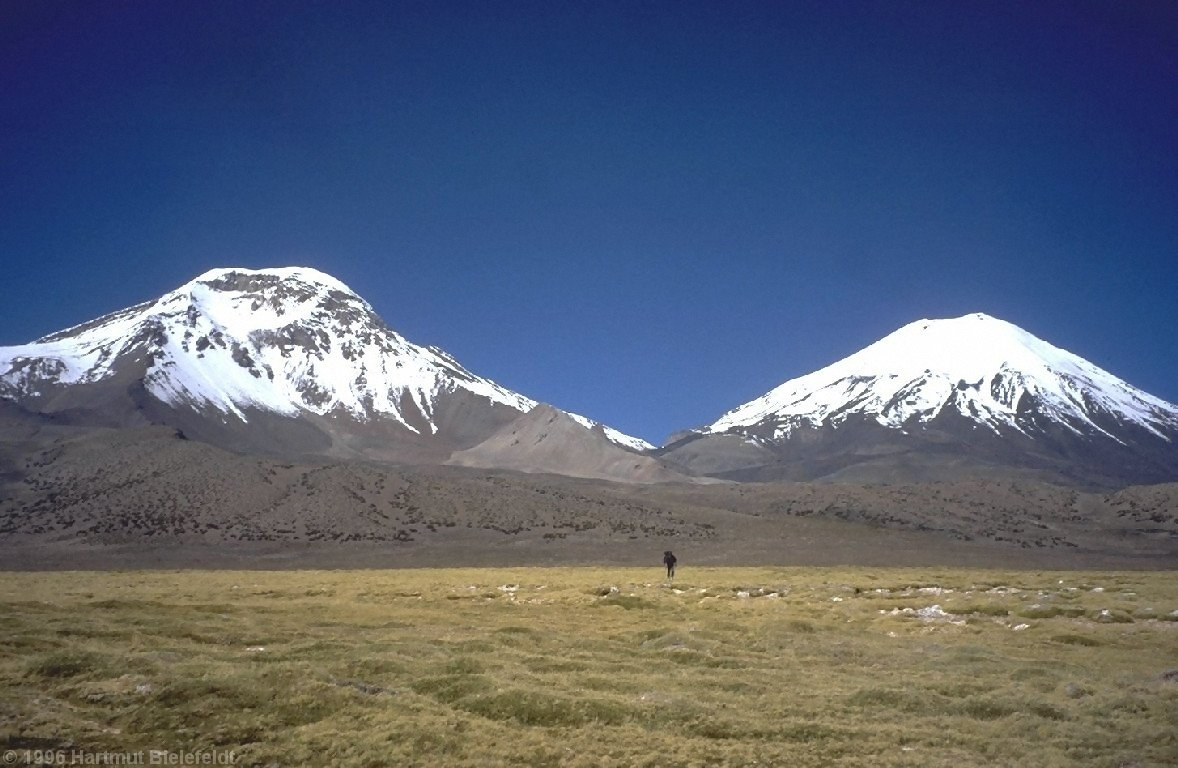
(1074, 639)
(1111, 616)
(592, 666)
(986, 708)
(1037, 611)
(69, 664)
(897, 699)
(976, 608)
(532, 707)
(451, 688)
(629, 602)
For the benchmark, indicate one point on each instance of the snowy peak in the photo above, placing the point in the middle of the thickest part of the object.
(279, 340)
(971, 397)
(983, 369)
(287, 341)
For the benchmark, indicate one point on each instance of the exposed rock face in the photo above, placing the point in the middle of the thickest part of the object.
(287, 361)
(292, 362)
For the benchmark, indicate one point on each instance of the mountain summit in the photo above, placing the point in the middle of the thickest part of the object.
(987, 370)
(938, 398)
(292, 362)
(233, 340)
(285, 360)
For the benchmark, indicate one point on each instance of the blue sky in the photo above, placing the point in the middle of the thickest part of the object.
(647, 213)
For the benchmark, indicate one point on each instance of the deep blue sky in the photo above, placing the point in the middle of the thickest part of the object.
(648, 213)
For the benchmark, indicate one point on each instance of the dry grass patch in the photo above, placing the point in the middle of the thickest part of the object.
(590, 666)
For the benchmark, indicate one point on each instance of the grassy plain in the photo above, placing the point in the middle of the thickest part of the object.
(596, 666)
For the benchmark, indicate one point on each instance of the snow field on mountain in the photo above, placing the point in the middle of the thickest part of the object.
(978, 365)
(296, 340)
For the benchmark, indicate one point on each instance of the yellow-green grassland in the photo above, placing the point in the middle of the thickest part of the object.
(594, 667)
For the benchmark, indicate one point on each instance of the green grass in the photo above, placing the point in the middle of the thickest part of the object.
(591, 666)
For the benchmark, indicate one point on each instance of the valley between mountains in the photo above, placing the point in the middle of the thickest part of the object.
(270, 418)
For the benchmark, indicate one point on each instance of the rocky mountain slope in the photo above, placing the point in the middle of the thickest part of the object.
(144, 496)
(292, 363)
(942, 399)
(283, 361)
(549, 440)
(123, 442)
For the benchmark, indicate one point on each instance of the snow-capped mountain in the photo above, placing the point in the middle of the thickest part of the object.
(245, 346)
(969, 386)
(987, 370)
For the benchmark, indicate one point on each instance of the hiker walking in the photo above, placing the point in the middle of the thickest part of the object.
(669, 561)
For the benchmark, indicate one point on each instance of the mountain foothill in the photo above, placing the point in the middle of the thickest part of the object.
(272, 417)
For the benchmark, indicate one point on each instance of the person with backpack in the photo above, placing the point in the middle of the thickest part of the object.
(669, 560)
